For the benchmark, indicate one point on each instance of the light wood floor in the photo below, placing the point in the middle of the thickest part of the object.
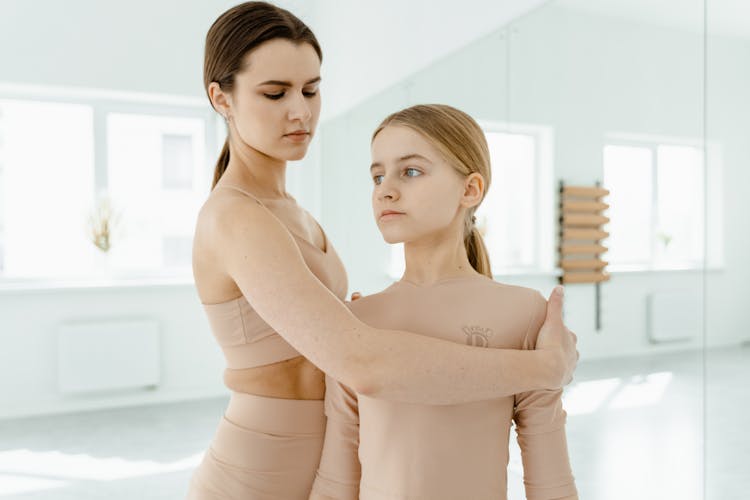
(662, 427)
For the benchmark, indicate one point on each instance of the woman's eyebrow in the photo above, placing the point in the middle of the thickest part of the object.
(288, 84)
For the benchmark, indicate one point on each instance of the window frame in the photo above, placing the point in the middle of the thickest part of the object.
(102, 103)
(652, 144)
(544, 240)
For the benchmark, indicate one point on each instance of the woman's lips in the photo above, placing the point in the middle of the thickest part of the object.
(298, 136)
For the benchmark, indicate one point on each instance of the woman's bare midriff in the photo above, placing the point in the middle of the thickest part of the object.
(294, 378)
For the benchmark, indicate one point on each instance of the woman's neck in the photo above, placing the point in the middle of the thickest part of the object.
(263, 175)
(436, 258)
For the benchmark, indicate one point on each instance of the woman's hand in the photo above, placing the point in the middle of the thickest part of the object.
(355, 296)
(555, 337)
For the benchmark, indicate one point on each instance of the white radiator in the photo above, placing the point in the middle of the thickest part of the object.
(107, 355)
(674, 316)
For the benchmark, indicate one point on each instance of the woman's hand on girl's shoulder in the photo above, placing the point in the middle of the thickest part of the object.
(555, 337)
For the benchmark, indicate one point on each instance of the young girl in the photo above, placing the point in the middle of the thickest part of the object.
(272, 284)
(431, 171)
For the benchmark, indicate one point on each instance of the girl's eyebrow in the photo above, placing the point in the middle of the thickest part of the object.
(412, 156)
(288, 84)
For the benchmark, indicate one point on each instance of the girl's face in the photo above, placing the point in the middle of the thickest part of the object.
(275, 104)
(416, 193)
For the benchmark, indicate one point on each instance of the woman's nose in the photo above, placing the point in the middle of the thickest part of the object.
(300, 109)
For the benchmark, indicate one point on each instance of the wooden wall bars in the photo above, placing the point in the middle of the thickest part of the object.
(581, 235)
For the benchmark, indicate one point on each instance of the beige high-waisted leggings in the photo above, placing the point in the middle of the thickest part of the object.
(264, 449)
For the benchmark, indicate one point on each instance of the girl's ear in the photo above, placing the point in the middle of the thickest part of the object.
(220, 100)
(473, 190)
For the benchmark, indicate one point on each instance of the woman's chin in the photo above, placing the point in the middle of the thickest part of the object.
(293, 156)
(297, 155)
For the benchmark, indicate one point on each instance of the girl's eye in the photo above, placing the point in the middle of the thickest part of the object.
(275, 96)
(412, 172)
(378, 179)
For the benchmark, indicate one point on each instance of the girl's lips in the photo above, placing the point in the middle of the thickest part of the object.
(389, 216)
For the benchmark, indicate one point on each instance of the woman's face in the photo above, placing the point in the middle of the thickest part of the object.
(412, 179)
(275, 104)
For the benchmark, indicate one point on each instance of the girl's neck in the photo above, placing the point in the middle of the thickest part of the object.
(436, 258)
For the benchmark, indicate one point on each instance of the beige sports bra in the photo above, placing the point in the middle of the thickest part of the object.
(247, 340)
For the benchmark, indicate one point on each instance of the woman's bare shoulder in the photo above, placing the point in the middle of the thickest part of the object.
(227, 211)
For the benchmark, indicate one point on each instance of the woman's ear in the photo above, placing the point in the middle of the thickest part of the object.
(220, 100)
(473, 190)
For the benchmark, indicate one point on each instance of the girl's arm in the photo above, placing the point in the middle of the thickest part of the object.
(339, 471)
(260, 255)
(540, 427)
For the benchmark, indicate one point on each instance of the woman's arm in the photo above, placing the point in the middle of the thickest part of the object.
(260, 255)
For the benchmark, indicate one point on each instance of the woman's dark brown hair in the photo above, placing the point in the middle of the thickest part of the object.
(235, 33)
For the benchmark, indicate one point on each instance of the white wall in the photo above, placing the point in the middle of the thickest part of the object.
(586, 76)
(191, 363)
(369, 46)
(727, 123)
(158, 46)
(136, 46)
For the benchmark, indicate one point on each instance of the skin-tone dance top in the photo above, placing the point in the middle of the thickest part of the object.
(247, 340)
(413, 451)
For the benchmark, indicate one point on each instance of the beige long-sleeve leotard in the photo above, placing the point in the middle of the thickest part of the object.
(378, 450)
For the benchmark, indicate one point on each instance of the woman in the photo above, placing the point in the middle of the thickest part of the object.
(273, 285)
(431, 171)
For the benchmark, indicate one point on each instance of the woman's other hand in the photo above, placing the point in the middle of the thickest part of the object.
(555, 337)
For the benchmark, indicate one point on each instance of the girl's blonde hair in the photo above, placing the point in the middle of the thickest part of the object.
(462, 143)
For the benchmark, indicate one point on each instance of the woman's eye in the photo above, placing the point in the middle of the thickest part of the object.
(377, 179)
(310, 94)
(275, 96)
(412, 172)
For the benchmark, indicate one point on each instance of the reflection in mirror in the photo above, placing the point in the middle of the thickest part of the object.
(727, 354)
(584, 92)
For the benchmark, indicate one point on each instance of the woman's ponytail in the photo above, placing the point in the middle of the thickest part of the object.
(221, 163)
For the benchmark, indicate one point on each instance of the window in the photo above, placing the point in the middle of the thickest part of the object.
(508, 214)
(46, 191)
(68, 160)
(511, 215)
(152, 166)
(177, 161)
(656, 205)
